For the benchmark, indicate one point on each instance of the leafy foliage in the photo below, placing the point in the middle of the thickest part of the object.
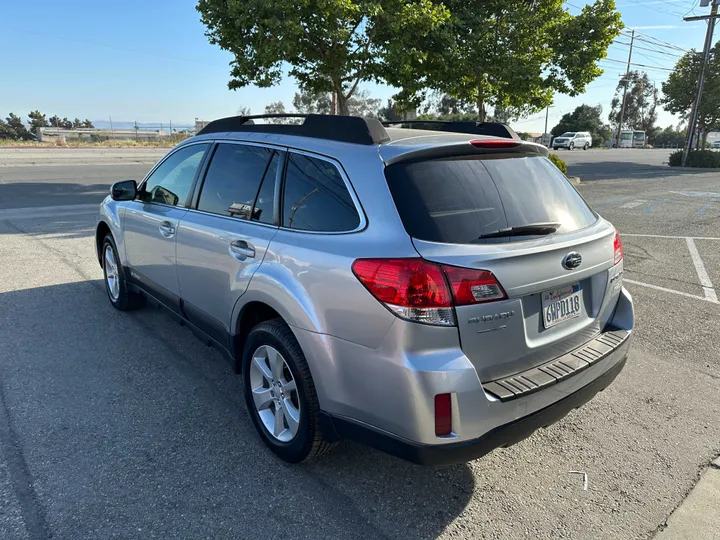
(13, 128)
(681, 86)
(584, 118)
(509, 55)
(669, 136)
(36, 119)
(390, 112)
(360, 104)
(703, 159)
(559, 163)
(329, 45)
(640, 103)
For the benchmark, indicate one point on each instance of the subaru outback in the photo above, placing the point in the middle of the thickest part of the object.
(433, 294)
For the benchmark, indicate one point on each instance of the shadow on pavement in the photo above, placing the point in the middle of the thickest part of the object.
(55, 227)
(609, 170)
(131, 428)
(33, 194)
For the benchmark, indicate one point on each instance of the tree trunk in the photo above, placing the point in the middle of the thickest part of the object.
(704, 138)
(481, 106)
(342, 104)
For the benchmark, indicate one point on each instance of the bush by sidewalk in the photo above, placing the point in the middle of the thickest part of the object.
(559, 163)
(704, 159)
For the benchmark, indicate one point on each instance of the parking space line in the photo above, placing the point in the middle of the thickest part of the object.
(605, 205)
(708, 205)
(653, 206)
(672, 236)
(673, 291)
(703, 276)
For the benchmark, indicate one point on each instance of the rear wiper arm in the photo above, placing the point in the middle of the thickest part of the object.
(523, 230)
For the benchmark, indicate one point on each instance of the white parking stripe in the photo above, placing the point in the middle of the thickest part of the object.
(701, 272)
(688, 295)
(49, 211)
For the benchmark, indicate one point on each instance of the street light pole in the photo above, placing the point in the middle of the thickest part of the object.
(547, 112)
(701, 80)
(627, 80)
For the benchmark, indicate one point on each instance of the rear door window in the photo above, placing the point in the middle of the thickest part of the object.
(457, 200)
(315, 197)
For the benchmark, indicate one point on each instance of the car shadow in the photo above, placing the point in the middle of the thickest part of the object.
(130, 427)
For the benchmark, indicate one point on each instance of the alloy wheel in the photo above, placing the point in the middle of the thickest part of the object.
(112, 276)
(274, 393)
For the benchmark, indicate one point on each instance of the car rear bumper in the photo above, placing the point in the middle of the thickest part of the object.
(501, 436)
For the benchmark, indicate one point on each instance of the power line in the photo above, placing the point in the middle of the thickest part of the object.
(634, 64)
(658, 42)
(658, 51)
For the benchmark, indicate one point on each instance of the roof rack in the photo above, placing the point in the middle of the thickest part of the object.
(493, 129)
(349, 129)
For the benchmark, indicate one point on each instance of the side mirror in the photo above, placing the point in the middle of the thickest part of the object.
(125, 190)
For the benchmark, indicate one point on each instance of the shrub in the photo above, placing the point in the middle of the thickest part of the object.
(559, 163)
(704, 159)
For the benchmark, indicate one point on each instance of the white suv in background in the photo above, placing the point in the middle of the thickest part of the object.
(572, 140)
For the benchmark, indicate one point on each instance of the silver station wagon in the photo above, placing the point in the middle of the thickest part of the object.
(432, 293)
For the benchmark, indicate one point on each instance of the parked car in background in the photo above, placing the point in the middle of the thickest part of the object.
(573, 139)
(433, 294)
(716, 144)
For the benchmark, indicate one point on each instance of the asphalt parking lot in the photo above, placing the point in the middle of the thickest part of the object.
(116, 425)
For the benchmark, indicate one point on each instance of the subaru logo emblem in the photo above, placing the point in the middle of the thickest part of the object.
(572, 260)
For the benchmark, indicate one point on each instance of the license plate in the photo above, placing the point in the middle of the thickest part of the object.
(561, 304)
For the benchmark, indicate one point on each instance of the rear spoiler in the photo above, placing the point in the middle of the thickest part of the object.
(491, 129)
(456, 149)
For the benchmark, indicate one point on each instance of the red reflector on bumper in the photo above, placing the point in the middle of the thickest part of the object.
(443, 415)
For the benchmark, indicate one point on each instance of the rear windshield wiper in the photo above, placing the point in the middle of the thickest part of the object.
(523, 230)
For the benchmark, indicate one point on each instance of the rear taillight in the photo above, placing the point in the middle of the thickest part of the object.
(421, 291)
(617, 244)
(473, 286)
(413, 289)
(443, 415)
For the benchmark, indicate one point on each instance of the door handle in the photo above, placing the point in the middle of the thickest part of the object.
(167, 229)
(241, 250)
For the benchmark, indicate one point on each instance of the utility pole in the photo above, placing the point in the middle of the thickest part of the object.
(627, 80)
(692, 125)
(547, 112)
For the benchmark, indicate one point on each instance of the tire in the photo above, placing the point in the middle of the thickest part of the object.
(555, 148)
(308, 441)
(586, 146)
(571, 147)
(117, 290)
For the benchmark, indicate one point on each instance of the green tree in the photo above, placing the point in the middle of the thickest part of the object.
(390, 112)
(640, 103)
(670, 136)
(243, 111)
(329, 45)
(54, 121)
(278, 107)
(584, 118)
(36, 119)
(681, 87)
(76, 123)
(87, 124)
(14, 128)
(312, 102)
(507, 54)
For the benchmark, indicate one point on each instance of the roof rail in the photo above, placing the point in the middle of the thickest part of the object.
(493, 129)
(349, 129)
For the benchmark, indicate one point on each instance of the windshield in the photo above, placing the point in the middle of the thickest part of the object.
(568, 134)
(458, 200)
(639, 135)
(626, 136)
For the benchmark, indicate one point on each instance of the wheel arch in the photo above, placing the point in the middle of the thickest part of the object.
(101, 231)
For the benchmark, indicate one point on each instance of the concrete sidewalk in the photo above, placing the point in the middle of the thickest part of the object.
(698, 517)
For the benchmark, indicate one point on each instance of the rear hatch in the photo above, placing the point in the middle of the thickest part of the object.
(472, 211)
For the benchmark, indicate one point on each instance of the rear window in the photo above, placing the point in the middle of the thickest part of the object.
(459, 199)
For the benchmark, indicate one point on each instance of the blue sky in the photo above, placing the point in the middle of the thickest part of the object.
(149, 61)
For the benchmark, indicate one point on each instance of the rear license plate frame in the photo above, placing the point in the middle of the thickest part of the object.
(567, 308)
